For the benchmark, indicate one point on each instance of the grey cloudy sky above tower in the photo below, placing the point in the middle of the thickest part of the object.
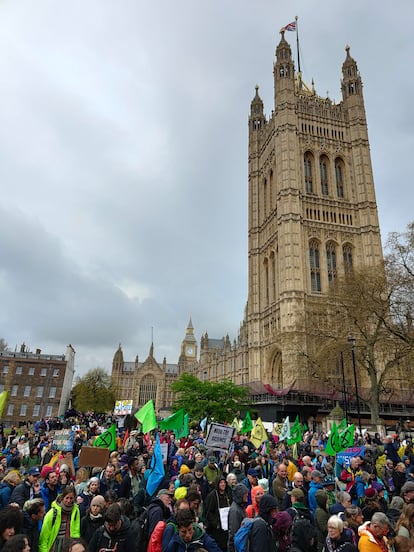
(123, 157)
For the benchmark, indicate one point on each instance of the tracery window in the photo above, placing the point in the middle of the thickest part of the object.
(147, 389)
(339, 174)
(323, 165)
(307, 169)
(331, 261)
(315, 267)
(347, 256)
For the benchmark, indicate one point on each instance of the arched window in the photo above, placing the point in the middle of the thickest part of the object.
(271, 191)
(331, 260)
(315, 267)
(264, 198)
(266, 281)
(147, 390)
(347, 254)
(307, 169)
(323, 166)
(339, 174)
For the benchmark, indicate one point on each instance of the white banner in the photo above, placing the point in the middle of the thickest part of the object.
(219, 437)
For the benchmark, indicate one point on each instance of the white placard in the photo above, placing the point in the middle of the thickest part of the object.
(219, 437)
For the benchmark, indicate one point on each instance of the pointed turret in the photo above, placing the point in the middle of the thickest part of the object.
(284, 73)
(351, 79)
(257, 118)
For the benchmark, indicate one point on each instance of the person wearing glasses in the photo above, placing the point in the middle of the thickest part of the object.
(373, 534)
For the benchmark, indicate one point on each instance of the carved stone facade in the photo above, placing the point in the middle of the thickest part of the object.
(312, 215)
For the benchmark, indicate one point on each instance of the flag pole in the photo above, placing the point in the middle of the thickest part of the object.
(297, 42)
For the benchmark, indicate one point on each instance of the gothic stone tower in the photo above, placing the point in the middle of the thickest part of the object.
(312, 211)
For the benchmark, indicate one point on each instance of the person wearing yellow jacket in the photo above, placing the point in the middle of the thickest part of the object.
(61, 522)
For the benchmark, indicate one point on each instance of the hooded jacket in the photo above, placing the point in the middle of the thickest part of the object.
(236, 513)
(262, 538)
(321, 517)
(199, 540)
(367, 541)
(303, 537)
(252, 509)
(124, 538)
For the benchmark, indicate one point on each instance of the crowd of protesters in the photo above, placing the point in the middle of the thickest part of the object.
(299, 498)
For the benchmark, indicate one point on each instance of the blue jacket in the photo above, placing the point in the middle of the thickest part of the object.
(313, 488)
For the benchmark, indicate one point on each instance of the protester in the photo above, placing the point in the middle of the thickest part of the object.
(33, 514)
(61, 521)
(114, 534)
(237, 513)
(28, 488)
(337, 538)
(216, 510)
(190, 536)
(11, 522)
(93, 518)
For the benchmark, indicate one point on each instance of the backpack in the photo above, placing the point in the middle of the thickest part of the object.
(141, 527)
(241, 538)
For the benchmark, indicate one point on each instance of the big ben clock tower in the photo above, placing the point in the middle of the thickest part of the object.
(188, 356)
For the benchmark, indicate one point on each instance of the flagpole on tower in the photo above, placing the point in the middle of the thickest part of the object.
(297, 41)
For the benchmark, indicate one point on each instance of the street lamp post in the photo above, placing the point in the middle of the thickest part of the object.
(344, 387)
(351, 342)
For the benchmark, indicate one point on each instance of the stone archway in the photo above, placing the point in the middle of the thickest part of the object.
(274, 372)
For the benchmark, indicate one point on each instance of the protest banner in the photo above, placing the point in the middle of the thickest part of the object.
(63, 439)
(219, 437)
(122, 408)
(93, 456)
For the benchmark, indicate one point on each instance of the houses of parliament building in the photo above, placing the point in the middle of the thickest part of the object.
(312, 216)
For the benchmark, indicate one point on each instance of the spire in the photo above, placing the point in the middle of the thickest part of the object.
(257, 118)
(351, 80)
(151, 351)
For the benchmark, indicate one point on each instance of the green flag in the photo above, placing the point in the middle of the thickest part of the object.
(146, 417)
(107, 439)
(332, 443)
(174, 422)
(3, 400)
(342, 425)
(247, 424)
(295, 432)
(347, 437)
(183, 430)
(338, 442)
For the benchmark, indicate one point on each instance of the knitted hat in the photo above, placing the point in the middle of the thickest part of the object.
(184, 469)
(370, 493)
(45, 471)
(99, 500)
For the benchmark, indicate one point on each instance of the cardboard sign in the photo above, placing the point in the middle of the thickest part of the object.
(122, 408)
(93, 456)
(219, 437)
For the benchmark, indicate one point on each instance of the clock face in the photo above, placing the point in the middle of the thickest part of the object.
(189, 350)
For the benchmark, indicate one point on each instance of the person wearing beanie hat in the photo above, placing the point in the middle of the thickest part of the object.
(93, 518)
(85, 498)
(237, 512)
(262, 538)
(370, 503)
(201, 480)
(184, 469)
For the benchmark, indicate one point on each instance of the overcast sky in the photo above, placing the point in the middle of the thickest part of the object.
(123, 157)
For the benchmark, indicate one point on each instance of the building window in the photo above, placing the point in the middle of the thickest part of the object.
(315, 268)
(43, 372)
(307, 169)
(23, 410)
(31, 371)
(10, 410)
(147, 389)
(14, 390)
(56, 373)
(347, 255)
(27, 390)
(40, 391)
(19, 370)
(323, 166)
(49, 409)
(339, 175)
(5, 369)
(331, 260)
(52, 393)
(36, 410)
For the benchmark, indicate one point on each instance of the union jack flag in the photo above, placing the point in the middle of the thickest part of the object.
(289, 27)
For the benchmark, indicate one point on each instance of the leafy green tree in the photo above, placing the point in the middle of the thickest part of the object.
(219, 401)
(94, 391)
